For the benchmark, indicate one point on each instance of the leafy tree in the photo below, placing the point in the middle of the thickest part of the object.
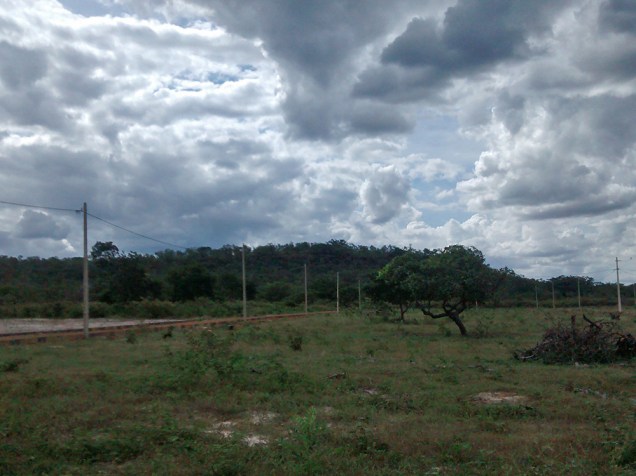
(231, 287)
(104, 252)
(441, 283)
(190, 283)
(275, 292)
(121, 277)
(454, 278)
(399, 282)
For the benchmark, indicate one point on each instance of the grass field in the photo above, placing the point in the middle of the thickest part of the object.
(346, 394)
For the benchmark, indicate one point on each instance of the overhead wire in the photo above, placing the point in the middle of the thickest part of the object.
(79, 210)
(135, 233)
(41, 207)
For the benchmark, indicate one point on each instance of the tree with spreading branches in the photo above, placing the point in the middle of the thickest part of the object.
(440, 283)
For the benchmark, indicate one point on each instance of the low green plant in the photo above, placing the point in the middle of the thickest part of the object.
(304, 450)
(12, 365)
(627, 456)
(296, 342)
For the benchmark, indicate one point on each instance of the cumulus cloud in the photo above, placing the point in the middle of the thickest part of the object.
(319, 48)
(473, 36)
(507, 125)
(34, 224)
(383, 195)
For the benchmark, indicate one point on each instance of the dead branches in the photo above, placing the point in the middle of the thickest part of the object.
(598, 342)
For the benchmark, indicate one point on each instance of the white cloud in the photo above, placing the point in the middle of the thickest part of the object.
(383, 195)
(203, 123)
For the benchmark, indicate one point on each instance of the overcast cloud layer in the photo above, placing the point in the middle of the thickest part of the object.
(505, 124)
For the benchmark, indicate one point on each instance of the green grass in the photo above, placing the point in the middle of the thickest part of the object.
(345, 394)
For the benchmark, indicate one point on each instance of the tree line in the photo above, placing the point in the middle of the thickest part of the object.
(275, 273)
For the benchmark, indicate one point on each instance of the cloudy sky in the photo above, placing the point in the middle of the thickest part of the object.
(508, 125)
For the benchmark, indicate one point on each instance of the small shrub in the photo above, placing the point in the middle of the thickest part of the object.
(296, 342)
(99, 309)
(483, 327)
(205, 351)
(628, 455)
(12, 365)
(29, 311)
(445, 331)
(131, 337)
(304, 452)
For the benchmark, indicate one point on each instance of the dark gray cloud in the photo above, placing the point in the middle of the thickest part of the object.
(54, 176)
(316, 39)
(619, 16)
(316, 44)
(373, 118)
(21, 67)
(601, 126)
(35, 224)
(586, 207)
(474, 35)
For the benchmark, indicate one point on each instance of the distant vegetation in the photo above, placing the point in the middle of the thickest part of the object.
(157, 285)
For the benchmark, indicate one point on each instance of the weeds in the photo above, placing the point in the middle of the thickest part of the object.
(304, 449)
(627, 457)
(12, 365)
(296, 342)
(401, 401)
(131, 337)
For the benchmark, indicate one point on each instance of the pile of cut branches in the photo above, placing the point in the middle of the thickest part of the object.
(596, 342)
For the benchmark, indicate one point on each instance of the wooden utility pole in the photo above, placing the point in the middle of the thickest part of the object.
(306, 299)
(337, 293)
(244, 281)
(360, 296)
(618, 288)
(85, 278)
(578, 290)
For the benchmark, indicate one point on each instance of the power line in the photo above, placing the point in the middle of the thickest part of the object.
(135, 233)
(59, 209)
(41, 207)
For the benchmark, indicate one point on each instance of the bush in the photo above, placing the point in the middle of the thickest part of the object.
(275, 292)
(628, 455)
(296, 342)
(99, 309)
(205, 351)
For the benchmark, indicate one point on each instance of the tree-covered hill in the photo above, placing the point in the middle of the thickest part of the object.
(275, 272)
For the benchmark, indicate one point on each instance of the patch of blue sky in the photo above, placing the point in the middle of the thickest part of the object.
(214, 77)
(247, 67)
(220, 78)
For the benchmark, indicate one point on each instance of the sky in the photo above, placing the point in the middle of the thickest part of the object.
(507, 125)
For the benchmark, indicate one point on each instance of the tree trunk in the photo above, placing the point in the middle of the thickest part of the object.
(455, 318)
(403, 310)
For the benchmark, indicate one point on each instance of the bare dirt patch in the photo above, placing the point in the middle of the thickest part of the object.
(499, 398)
